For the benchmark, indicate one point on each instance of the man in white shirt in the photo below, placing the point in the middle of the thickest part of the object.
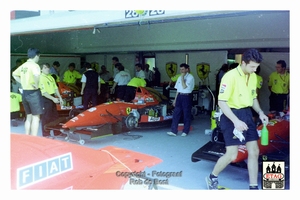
(139, 71)
(148, 75)
(91, 86)
(120, 82)
(183, 101)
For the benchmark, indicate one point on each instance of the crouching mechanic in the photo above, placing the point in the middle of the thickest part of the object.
(15, 100)
(51, 97)
(237, 94)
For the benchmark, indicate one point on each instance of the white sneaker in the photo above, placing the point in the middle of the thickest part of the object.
(171, 133)
(183, 134)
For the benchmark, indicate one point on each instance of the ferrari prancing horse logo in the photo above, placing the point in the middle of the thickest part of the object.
(128, 110)
(171, 69)
(203, 70)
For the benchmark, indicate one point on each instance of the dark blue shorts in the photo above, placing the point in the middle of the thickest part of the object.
(32, 102)
(227, 127)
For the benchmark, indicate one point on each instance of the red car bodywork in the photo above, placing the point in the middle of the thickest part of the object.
(41, 163)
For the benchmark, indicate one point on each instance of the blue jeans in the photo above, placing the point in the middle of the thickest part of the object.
(183, 105)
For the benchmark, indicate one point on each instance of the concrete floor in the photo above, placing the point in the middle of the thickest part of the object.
(175, 152)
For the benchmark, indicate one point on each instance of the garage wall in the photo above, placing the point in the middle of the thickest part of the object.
(214, 58)
(128, 61)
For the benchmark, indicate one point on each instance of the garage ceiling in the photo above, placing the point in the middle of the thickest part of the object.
(88, 32)
(74, 20)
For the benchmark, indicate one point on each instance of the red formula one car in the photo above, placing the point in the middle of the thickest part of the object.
(277, 149)
(148, 109)
(40, 163)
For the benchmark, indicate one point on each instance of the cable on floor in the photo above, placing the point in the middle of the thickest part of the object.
(131, 137)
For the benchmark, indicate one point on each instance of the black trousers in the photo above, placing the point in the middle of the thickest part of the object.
(121, 91)
(50, 114)
(278, 102)
(88, 95)
(130, 93)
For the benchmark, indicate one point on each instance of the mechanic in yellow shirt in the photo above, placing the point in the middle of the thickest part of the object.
(259, 84)
(174, 78)
(51, 97)
(132, 85)
(279, 86)
(28, 74)
(15, 100)
(237, 95)
(71, 75)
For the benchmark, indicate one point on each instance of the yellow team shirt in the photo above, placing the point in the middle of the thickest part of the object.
(70, 77)
(15, 99)
(57, 79)
(26, 72)
(95, 66)
(137, 82)
(280, 84)
(47, 84)
(259, 81)
(174, 78)
(238, 89)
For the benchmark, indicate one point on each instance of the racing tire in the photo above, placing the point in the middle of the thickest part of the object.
(131, 121)
(81, 142)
